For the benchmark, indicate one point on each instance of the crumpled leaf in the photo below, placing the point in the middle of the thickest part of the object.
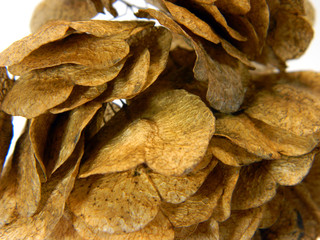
(231, 154)
(208, 230)
(199, 207)
(178, 189)
(165, 146)
(258, 182)
(237, 7)
(181, 233)
(71, 10)
(242, 224)
(38, 134)
(285, 142)
(80, 95)
(297, 220)
(65, 134)
(42, 94)
(56, 30)
(289, 106)
(290, 36)
(241, 131)
(100, 201)
(159, 228)
(53, 197)
(82, 49)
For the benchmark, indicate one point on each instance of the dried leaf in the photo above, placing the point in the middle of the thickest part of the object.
(179, 189)
(6, 130)
(231, 154)
(241, 224)
(291, 35)
(71, 10)
(65, 134)
(208, 230)
(34, 94)
(163, 151)
(237, 7)
(285, 142)
(192, 22)
(54, 194)
(38, 133)
(56, 30)
(115, 203)
(199, 207)
(82, 49)
(255, 187)
(290, 106)
(242, 132)
(80, 95)
(181, 233)
(108, 5)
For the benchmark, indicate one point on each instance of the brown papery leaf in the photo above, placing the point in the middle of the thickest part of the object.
(291, 35)
(80, 95)
(181, 233)
(165, 145)
(178, 189)
(285, 142)
(65, 134)
(100, 201)
(108, 5)
(290, 106)
(82, 49)
(34, 94)
(131, 79)
(242, 131)
(242, 224)
(53, 198)
(71, 10)
(231, 154)
(237, 7)
(192, 22)
(159, 228)
(199, 207)
(208, 230)
(258, 182)
(38, 133)
(56, 30)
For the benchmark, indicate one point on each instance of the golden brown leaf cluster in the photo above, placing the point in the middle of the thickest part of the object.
(215, 141)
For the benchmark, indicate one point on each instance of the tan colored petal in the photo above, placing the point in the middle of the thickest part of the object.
(271, 210)
(231, 154)
(181, 233)
(178, 189)
(115, 203)
(296, 221)
(53, 198)
(255, 187)
(290, 171)
(290, 36)
(159, 228)
(80, 95)
(71, 10)
(242, 224)
(242, 131)
(38, 133)
(208, 230)
(82, 49)
(33, 95)
(237, 7)
(56, 30)
(199, 207)
(65, 134)
(290, 106)
(117, 149)
(131, 79)
(165, 145)
(192, 22)
(285, 142)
